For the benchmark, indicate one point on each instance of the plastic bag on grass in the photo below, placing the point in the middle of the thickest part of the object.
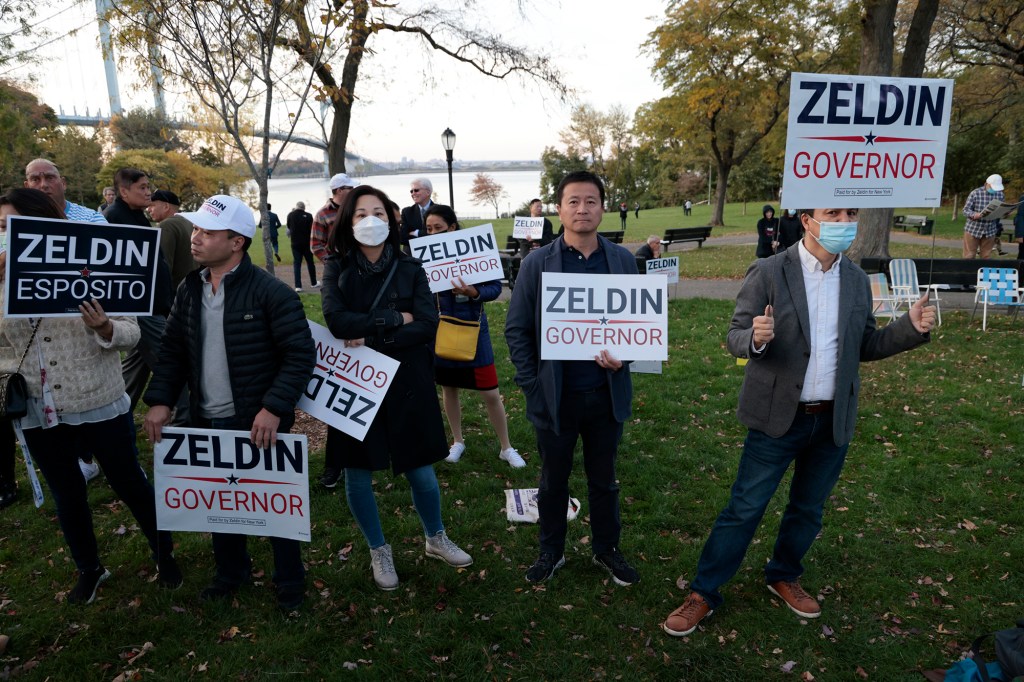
(521, 506)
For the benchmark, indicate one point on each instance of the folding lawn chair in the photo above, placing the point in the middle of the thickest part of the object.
(882, 302)
(997, 286)
(905, 288)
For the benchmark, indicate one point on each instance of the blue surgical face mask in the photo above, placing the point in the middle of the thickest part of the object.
(990, 190)
(836, 237)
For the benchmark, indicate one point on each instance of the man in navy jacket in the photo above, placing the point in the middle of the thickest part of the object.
(569, 400)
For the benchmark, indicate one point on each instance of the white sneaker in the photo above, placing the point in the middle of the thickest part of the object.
(384, 573)
(455, 452)
(512, 456)
(90, 470)
(298, 290)
(441, 547)
(316, 286)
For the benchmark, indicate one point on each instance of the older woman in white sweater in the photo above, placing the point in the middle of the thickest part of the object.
(78, 404)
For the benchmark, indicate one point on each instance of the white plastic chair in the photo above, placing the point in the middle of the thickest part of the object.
(997, 286)
(882, 301)
(905, 287)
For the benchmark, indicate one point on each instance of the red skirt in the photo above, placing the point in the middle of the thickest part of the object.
(473, 378)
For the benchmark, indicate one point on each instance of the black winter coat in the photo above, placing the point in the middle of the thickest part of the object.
(120, 213)
(270, 348)
(407, 432)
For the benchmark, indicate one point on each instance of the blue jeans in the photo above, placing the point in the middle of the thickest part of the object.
(56, 451)
(818, 463)
(587, 417)
(234, 566)
(426, 497)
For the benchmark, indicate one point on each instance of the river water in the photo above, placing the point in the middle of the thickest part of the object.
(521, 186)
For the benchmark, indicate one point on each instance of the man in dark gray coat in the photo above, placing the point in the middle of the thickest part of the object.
(803, 320)
(566, 401)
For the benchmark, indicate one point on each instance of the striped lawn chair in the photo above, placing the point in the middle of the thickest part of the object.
(997, 286)
(882, 301)
(905, 288)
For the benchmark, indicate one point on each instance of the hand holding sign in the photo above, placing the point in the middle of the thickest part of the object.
(764, 327)
(922, 315)
(97, 320)
(608, 361)
(156, 419)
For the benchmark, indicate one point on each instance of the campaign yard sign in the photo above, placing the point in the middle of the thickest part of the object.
(668, 267)
(348, 384)
(581, 315)
(527, 227)
(54, 265)
(209, 480)
(470, 254)
(866, 141)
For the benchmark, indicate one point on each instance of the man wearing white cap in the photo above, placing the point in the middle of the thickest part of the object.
(231, 304)
(323, 221)
(978, 233)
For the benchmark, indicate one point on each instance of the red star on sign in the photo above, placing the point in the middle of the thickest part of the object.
(86, 272)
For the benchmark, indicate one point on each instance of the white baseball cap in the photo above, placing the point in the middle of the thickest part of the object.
(221, 212)
(995, 182)
(341, 180)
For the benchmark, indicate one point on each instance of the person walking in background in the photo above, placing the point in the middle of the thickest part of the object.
(623, 214)
(253, 387)
(376, 295)
(803, 320)
(767, 233)
(790, 229)
(466, 302)
(77, 404)
(980, 234)
(636, 210)
(299, 223)
(273, 226)
(569, 401)
(687, 207)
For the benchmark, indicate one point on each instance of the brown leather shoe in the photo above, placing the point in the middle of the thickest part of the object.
(685, 619)
(798, 601)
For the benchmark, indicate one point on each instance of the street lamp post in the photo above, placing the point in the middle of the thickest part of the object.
(448, 142)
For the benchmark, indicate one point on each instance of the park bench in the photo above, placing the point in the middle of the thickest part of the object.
(956, 273)
(614, 237)
(923, 224)
(677, 235)
(511, 245)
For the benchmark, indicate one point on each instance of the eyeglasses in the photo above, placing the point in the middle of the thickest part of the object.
(414, 191)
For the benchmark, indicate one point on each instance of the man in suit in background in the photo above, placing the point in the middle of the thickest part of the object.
(547, 234)
(798, 401)
(413, 224)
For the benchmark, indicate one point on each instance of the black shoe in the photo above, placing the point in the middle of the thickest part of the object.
(218, 590)
(544, 567)
(613, 562)
(84, 591)
(290, 597)
(277, 257)
(169, 573)
(8, 493)
(330, 477)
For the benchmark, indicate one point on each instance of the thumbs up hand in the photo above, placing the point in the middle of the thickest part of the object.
(764, 327)
(922, 315)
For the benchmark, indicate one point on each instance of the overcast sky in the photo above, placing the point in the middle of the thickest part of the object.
(405, 100)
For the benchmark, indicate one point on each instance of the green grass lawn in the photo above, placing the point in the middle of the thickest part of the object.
(921, 549)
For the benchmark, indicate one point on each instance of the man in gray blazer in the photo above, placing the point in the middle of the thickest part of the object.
(803, 320)
(570, 400)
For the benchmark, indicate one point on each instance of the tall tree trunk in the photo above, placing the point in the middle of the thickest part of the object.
(343, 97)
(720, 189)
(876, 54)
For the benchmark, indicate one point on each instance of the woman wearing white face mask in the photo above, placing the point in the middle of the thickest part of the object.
(374, 294)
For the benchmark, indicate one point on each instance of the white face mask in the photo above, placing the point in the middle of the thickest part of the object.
(371, 231)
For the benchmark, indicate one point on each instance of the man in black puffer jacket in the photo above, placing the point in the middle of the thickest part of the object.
(231, 304)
